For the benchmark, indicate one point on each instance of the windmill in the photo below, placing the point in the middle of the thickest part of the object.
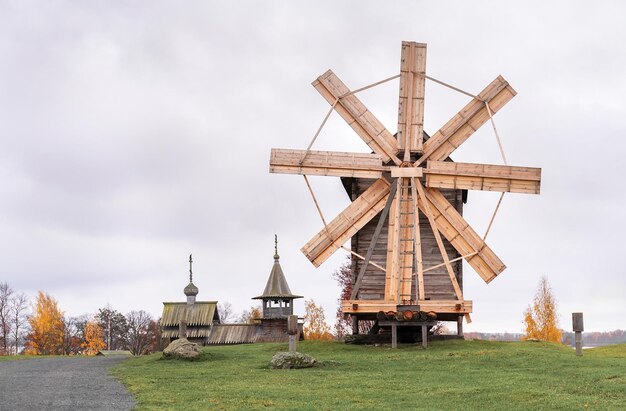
(408, 178)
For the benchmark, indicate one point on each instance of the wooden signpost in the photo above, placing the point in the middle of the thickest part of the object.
(292, 330)
(577, 323)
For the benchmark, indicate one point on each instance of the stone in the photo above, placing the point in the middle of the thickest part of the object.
(183, 349)
(288, 360)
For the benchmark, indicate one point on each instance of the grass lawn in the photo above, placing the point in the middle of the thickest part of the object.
(450, 375)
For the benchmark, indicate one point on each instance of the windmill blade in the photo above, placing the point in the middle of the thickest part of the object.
(418, 243)
(357, 116)
(460, 127)
(428, 211)
(326, 163)
(370, 250)
(462, 237)
(411, 104)
(347, 223)
(485, 177)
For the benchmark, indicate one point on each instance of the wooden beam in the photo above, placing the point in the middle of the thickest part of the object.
(418, 245)
(346, 224)
(438, 306)
(485, 177)
(428, 212)
(406, 171)
(460, 127)
(411, 104)
(326, 163)
(462, 237)
(370, 250)
(350, 108)
(393, 234)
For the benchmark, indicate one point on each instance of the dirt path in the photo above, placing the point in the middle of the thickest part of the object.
(62, 383)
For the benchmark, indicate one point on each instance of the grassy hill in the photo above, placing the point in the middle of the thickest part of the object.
(449, 375)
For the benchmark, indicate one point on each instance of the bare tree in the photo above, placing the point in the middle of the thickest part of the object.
(115, 327)
(18, 312)
(140, 332)
(226, 312)
(5, 317)
(74, 336)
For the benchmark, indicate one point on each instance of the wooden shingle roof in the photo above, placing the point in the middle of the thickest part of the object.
(276, 286)
(201, 313)
(233, 334)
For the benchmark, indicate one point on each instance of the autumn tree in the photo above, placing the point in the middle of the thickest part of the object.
(540, 319)
(315, 327)
(47, 329)
(5, 317)
(343, 325)
(343, 276)
(154, 329)
(141, 332)
(252, 315)
(94, 338)
(74, 336)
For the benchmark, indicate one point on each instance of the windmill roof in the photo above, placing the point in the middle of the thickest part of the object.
(276, 286)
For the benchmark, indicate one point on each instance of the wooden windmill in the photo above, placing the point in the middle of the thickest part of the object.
(408, 182)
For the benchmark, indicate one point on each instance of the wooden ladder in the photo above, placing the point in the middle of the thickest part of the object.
(407, 220)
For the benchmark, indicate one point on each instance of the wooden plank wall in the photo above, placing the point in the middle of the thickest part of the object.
(436, 282)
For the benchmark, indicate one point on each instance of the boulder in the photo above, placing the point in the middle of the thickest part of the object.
(183, 349)
(292, 360)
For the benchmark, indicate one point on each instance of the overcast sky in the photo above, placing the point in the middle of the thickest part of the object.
(135, 133)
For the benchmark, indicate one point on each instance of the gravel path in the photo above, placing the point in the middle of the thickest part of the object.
(62, 383)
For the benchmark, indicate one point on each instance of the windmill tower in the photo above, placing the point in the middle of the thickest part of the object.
(408, 234)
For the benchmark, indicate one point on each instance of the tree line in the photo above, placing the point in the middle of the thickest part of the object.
(42, 328)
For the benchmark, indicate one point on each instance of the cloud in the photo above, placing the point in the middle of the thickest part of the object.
(131, 135)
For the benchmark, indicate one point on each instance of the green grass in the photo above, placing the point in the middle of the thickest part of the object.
(449, 375)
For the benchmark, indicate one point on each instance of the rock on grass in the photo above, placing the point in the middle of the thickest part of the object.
(181, 349)
(288, 360)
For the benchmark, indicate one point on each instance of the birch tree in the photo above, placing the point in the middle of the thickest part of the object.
(541, 319)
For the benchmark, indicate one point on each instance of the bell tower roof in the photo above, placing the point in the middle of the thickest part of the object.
(276, 286)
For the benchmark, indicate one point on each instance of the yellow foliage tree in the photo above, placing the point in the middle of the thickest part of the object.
(315, 327)
(540, 320)
(47, 329)
(252, 315)
(94, 338)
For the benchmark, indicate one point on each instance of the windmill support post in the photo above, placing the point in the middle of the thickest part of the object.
(355, 324)
(424, 325)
